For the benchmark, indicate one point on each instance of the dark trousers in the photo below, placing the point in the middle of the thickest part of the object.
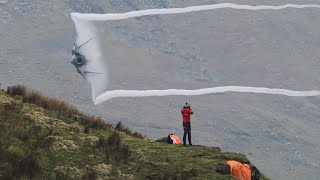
(187, 130)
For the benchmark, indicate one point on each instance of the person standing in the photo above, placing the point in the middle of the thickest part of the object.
(186, 112)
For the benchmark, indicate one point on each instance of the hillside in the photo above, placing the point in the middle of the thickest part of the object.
(54, 140)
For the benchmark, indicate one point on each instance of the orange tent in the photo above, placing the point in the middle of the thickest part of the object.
(239, 170)
(175, 139)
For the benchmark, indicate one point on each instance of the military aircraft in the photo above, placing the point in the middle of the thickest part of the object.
(79, 60)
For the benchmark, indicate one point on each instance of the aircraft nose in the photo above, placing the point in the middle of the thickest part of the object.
(73, 59)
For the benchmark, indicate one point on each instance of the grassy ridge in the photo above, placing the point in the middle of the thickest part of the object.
(43, 138)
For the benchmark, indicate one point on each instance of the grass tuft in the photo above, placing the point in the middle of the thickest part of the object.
(223, 168)
(116, 151)
(120, 127)
(29, 166)
(90, 174)
(18, 90)
(102, 142)
(176, 175)
(65, 109)
(114, 140)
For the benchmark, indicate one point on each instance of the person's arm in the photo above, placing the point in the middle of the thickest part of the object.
(190, 111)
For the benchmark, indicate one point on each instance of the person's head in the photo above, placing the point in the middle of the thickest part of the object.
(187, 105)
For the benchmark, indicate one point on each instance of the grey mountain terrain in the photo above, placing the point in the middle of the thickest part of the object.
(276, 49)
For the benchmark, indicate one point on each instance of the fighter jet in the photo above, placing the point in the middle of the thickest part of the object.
(79, 60)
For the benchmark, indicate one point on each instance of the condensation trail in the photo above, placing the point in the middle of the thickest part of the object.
(131, 14)
(101, 97)
(146, 93)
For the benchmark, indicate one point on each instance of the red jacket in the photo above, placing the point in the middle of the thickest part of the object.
(186, 114)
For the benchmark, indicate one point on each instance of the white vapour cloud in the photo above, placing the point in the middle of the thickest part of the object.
(86, 30)
(145, 93)
(120, 16)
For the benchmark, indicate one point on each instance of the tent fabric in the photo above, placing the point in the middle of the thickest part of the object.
(175, 139)
(239, 170)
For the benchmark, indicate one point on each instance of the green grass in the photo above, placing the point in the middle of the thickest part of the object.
(41, 139)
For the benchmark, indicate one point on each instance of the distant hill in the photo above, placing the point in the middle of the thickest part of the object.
(44, 138)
